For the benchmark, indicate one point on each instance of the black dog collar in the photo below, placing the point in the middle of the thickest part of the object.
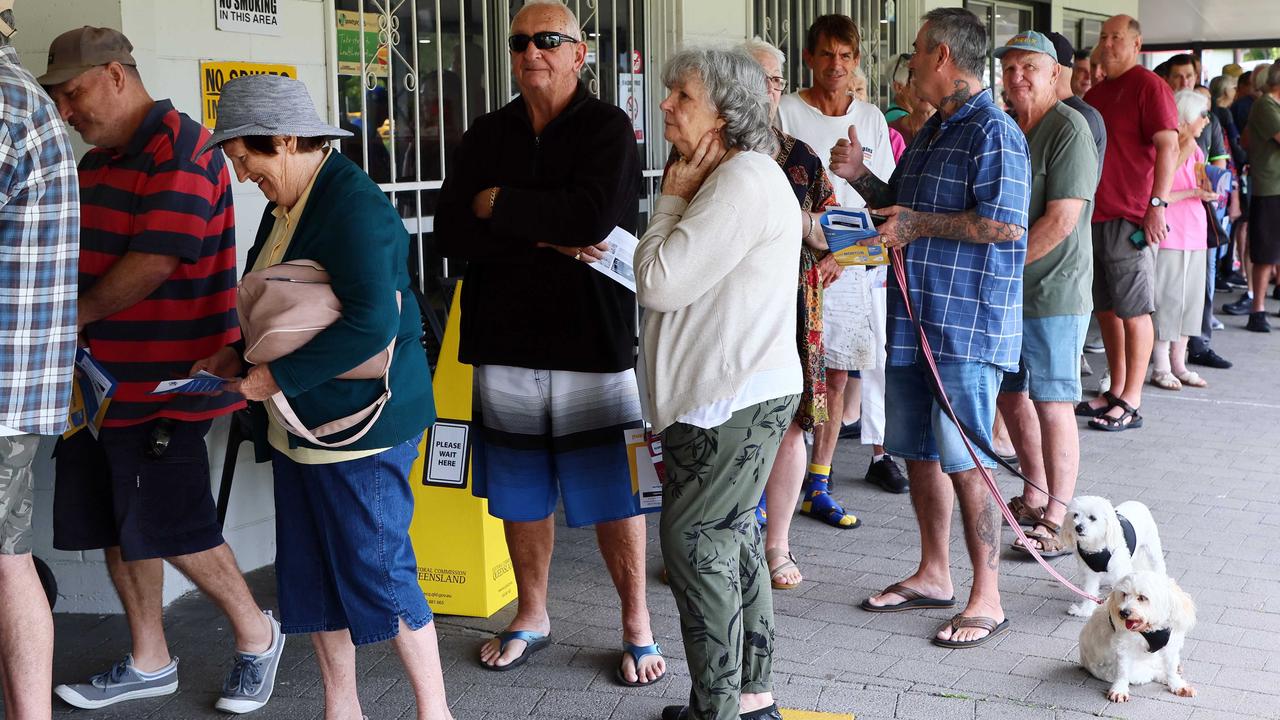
(1098, 561)
(1156, 639)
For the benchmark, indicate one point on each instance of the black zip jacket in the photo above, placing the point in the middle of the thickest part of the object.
(534, 307)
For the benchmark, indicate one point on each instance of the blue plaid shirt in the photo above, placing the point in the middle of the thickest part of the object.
(39, 255)
(969, 296)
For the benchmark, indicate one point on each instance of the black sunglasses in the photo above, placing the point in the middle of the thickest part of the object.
(542, 41)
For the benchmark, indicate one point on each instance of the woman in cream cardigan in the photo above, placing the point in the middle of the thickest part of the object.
(721, 375)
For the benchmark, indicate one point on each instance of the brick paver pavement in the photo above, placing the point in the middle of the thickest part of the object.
(1207, 463)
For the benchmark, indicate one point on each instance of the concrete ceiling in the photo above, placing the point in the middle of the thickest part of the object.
(1173, 21)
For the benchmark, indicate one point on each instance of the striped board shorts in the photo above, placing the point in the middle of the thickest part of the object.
(546, 434)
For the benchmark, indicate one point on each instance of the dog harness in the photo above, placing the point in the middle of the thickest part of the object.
(1099, 559)
(1156, 639)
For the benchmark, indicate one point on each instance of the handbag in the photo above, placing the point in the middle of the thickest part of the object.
(281, 308)
(1215, 236)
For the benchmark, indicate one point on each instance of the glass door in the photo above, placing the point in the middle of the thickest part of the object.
(1003, 21)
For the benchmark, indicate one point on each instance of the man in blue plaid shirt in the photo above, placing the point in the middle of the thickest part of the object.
(39, 253)
(957, 206)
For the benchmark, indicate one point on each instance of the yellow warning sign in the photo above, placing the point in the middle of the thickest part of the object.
(463, 565)
(214, 74)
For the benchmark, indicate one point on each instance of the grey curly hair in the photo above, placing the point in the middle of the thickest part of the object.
(738, 90)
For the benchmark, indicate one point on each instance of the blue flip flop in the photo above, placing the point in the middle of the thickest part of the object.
(534, 642)
(636, 652)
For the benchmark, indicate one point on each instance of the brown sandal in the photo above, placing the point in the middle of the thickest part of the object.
(911, 599)
(1051, 544)
(788, 563)
(992, 627)
(1024, 513)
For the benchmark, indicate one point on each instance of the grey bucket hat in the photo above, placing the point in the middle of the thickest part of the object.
(267, 105)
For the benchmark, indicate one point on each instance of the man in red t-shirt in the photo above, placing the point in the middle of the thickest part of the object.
(1128, 217)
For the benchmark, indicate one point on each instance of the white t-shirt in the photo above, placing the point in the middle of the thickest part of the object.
(804, 122)
(6, 431)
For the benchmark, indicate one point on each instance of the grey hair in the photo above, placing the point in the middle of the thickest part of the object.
(1219, 86)
(574, 28)
(1273, 76)
(1190, 104)
(962, 32)
(757, 46)
(738, 91)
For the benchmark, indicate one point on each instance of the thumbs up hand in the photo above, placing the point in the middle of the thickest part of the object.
(846, 157)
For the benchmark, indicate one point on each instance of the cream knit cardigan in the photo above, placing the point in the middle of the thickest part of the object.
(717, 278)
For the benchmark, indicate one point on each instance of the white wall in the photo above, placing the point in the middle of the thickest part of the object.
(170, 38)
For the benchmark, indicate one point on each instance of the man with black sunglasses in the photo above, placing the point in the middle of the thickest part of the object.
(538, 186)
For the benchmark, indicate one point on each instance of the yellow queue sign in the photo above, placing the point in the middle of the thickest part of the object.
(214, 74)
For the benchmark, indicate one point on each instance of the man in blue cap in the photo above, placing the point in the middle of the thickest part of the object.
(1037, 401)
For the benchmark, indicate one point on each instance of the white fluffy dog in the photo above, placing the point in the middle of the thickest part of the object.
(1136, 636)
(1110, 543)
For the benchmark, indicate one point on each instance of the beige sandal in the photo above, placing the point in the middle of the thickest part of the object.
(1191, 378)
(788, 564)
(1165, 379)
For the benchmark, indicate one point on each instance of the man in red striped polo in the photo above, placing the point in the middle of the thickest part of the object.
(157, 293)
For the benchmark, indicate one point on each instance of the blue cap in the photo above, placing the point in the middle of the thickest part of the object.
(1031, 41)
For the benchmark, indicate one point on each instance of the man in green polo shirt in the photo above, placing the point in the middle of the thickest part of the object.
(1037, 401)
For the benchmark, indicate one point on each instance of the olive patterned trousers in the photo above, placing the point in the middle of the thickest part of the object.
(712, 548)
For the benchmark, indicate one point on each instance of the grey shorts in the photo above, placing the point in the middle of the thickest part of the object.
(17, 452)
(1124, 277)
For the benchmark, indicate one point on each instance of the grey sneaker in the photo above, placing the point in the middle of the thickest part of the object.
(118, 684)
(253, 677)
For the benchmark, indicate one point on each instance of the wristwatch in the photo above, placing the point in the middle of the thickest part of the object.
(1159, 202)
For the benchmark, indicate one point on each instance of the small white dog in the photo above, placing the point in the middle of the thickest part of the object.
(1110, 543)
(1136, 636)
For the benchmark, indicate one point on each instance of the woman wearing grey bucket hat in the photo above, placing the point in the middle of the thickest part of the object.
(345, 569)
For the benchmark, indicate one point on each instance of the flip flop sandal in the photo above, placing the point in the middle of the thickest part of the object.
(1084, 410)
(1107, 423)
(1025, 514)
(789, 564)
(681, 712)
(636, 652)
(914, 600)
(992, 627)
(534, 642)
(1050, 543)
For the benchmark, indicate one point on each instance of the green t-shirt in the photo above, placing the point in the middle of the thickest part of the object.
(1264, 151)
(1064, 164)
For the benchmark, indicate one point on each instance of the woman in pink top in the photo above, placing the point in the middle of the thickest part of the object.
(1180, 276)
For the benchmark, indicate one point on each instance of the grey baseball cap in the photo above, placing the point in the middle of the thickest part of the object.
(75, 52)
(267, 105)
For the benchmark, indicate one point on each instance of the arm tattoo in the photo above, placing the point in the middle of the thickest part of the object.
(875, 191)
(957, 99)
(967, 226)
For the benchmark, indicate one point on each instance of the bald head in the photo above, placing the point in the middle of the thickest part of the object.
(1118, 44)
(546, 12)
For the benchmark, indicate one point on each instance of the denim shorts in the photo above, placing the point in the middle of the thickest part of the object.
(115, 490)
(1049, 370)
(343, 556)
(916, 427)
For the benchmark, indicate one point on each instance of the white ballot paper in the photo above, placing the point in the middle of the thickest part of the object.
(202, 382)
(616, 263)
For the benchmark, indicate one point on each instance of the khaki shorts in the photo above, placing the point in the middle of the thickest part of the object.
(1124, 277)
(16, 495)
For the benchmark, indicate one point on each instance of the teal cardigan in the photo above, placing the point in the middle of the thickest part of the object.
(352, 230)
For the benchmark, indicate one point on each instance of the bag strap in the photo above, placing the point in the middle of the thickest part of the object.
(282, 413)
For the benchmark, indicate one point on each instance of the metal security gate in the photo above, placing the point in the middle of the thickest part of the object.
(888, 27)
(409, 76)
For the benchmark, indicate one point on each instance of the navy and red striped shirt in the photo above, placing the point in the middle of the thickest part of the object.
(159, 197)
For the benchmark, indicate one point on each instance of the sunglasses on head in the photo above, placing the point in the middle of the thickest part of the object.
(542, 41)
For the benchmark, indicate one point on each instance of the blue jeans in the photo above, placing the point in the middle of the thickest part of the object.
(343, 556)
(916, 428)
